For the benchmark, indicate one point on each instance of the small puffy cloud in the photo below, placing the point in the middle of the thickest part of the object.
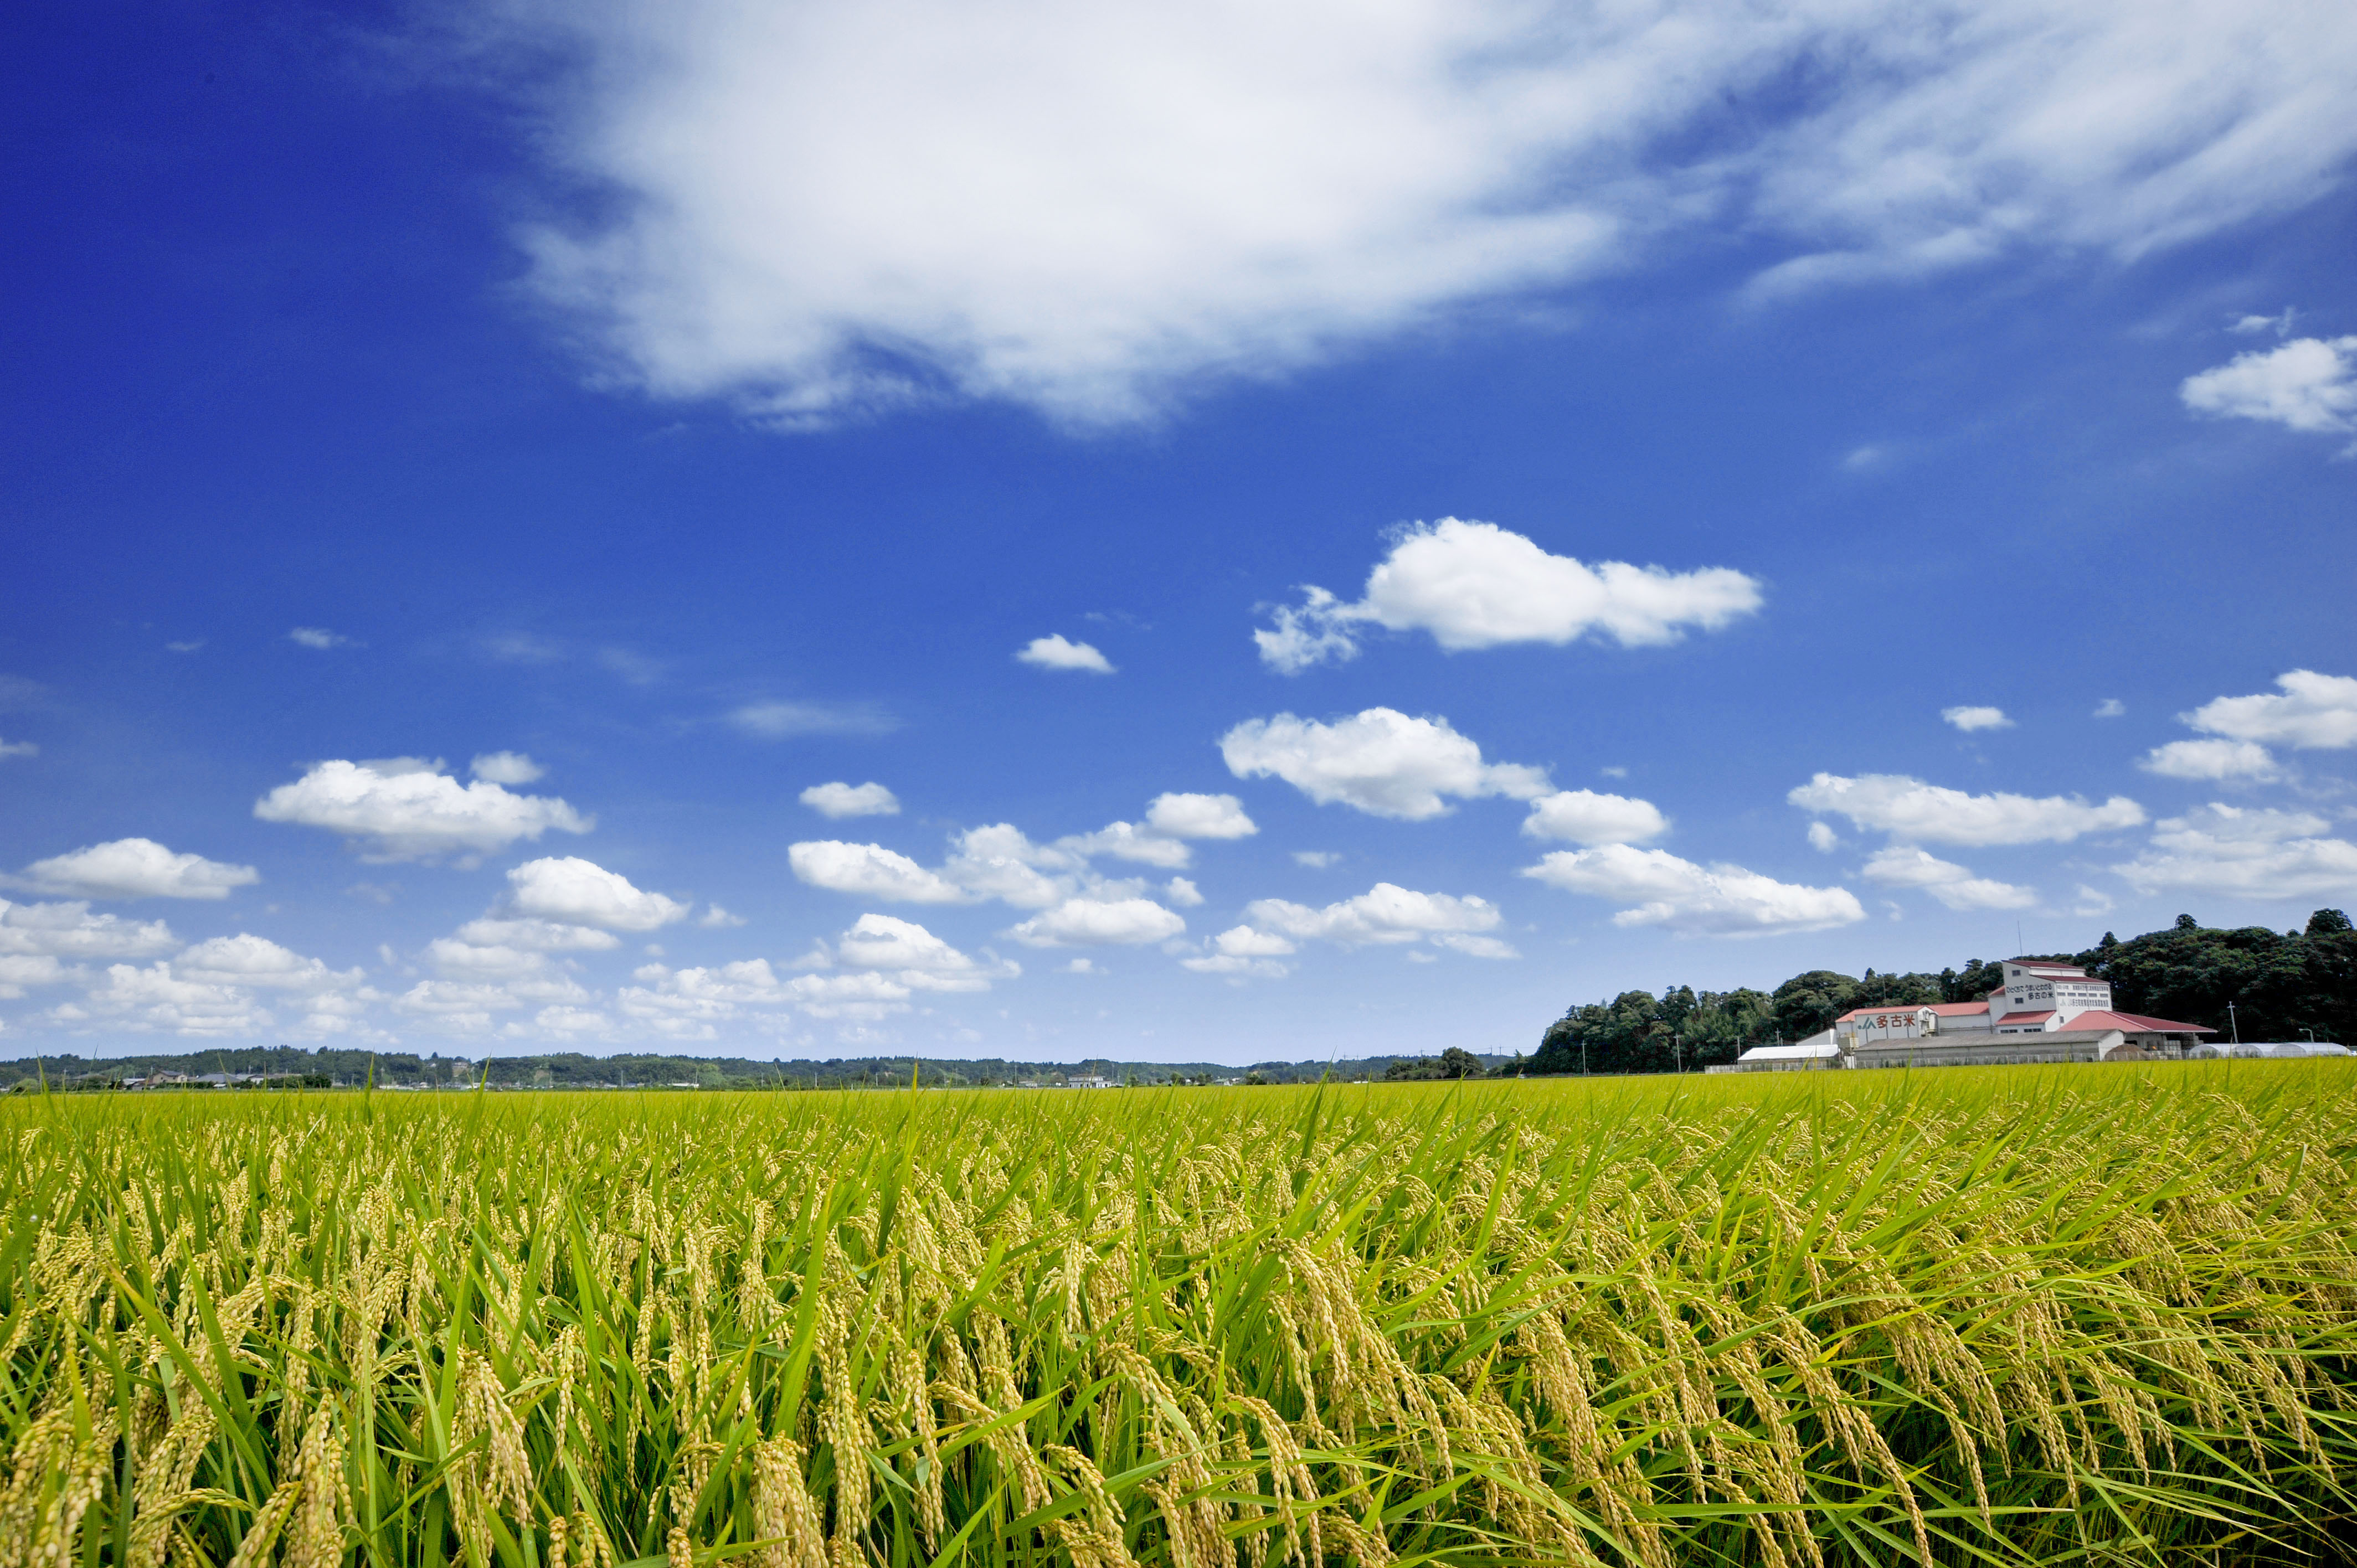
(1200, 817)
(2244, 853)
(782, 720)
(1098, 922)
(839, 800)
(1583, 816)
(19, 749)
(1823, 839)
(319, 637)
(1316, 859)
(583, 892)
(1380, 761)
(1384, 913)
(1969, 719)
(248, 960)
(1128, 840)
(2110, 708)
(190, 646)
(136, 868)
(1719, 900)
(1056, 653)
(2311, 712)
(2210, 759)
(1474, 584)
(404, 808)
(870, 871)
(1241, 952)
(2249, 326)
(507, 768)
(69, 930)
(1000, 861)
(2307, 384)
(915, 956)
(715, 918)
(1903, 865)
(1911, 811)
(1181, 892)
(1244, 941)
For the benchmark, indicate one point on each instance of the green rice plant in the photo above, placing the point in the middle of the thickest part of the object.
(2007, 1317)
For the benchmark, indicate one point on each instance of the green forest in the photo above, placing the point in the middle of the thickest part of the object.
(2284, 986)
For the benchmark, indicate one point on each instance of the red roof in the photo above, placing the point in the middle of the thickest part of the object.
(1958, 1009)
(2010, 1019)
(2136, 1024)
(1909, 1009)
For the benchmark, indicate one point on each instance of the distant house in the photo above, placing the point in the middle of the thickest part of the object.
(1087, 1080)
(2045, 1012)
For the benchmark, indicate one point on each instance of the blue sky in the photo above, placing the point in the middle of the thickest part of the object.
(1331, 531)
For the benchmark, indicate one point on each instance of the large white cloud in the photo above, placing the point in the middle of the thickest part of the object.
(156, 999)
(815, 209)
(1903, 865)
(582, 893)
(1474, 584)
(1913, 811)
(136, 868)
(2244, 853)
(1583, 816)
(1379, 760)
(2308, 384)
(839, 800)
(1098, 922)
(1180, 816)
(1384, 913)
(1001, 861)
(1717, 900)
(69, 930)
(248, 960)
(870, 871)
(2313, 712)
(914, 956)
(407, 809)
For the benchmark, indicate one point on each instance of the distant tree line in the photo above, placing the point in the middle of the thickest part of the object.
(2284, 986)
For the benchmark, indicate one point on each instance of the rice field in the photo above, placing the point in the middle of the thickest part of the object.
(2025, 1316)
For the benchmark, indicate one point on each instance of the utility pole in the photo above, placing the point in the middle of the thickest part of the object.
(1677, 1057)
(2232, 1028)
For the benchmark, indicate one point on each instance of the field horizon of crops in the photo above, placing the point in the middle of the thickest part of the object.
(2015, 1315)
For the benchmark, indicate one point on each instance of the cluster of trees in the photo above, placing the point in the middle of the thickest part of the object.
(1454, 1062)
(2283, 986)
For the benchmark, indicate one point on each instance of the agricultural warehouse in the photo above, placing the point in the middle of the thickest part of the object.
(2020, 1316)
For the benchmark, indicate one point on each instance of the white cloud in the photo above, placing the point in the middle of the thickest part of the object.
(2312, 712)
(570, 1021)
(839, 800)
(1384, 913)
(2210, 760)
(687, 1003)
(19, 749)
(1055, 653)
(1969, 719)
(781, 721)
(2280, 326)
(1823, 839)
(507, 768)
(1081, 966)
(69, 930)
(1477, 947)
(319, 637)
(1200, 817)
(2244, 853)
(918, 958)
(1316, 859)
(1089, 206)
(1474, 584)
(2110, 708)
(1720, 900)
(537, 935)
(405, 809)
(19, 970)
(1380, 761)
(1909, 810)
(1244, 941)
(1903, 865)
(2307, 384)
(249, 960)
(583, 892)
(1181, 892)
(715, 918)
(1583, 816)
(1128, 840)
(1242, 953)
(154, 999)
(1098, 922)
(999, 862)
(136, 868)
(870, 871)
